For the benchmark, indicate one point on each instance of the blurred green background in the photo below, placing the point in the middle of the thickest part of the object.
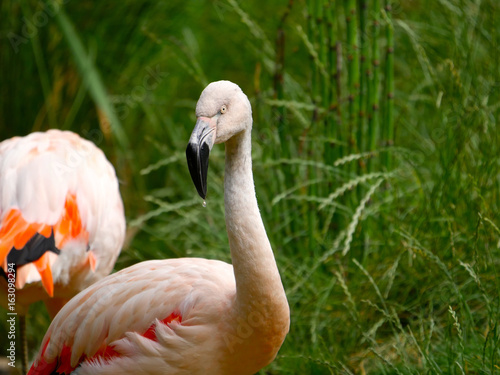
(389, 254)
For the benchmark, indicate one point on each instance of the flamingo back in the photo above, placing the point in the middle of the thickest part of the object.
(61, 215)
(160, 316)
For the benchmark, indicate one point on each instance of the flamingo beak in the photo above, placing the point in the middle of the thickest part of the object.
(197, 152)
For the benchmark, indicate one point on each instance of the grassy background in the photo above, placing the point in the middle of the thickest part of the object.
(388, 272)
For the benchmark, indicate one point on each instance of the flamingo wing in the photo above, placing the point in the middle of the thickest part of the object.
(60, 208)
(141, 319)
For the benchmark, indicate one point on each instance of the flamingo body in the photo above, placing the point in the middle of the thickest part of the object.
(188, 315)
(126, 311)
(61, 216)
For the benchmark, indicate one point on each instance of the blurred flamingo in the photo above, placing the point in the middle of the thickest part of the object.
(62, 223)
(189, 315)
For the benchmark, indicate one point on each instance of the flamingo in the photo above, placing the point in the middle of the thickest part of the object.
(62, 223)
(187, 315)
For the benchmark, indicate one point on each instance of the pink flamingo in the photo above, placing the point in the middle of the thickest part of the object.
(61, 220)
(189, 315)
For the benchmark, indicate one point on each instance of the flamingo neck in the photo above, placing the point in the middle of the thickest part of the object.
(258, 283)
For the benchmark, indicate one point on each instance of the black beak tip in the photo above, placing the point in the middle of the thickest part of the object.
(202, 190)
(198, 167)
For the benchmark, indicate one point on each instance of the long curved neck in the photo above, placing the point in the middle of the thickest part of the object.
(256, 273)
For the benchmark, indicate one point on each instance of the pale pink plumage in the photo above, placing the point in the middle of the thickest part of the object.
(57, 181)
(190, 315)
(117, 311)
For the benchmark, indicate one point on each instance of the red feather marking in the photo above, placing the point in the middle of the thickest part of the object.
(10, 221)
(15, 231)
(105, 353)
(11, 232)
(41, 367)
(65, 361)
(61, 365)
(70, 225)
(42, 265)
(23, 237)
(108, 353)
(151, 331)
(45, 230)
(45, 347)
(174, 317)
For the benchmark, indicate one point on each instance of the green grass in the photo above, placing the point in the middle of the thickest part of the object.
(387, 270)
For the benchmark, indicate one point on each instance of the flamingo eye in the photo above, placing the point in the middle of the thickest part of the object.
(223, 109)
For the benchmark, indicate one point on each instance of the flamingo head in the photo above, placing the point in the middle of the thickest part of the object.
(222, 112)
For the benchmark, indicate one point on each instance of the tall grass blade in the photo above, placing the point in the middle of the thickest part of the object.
(91, 77)
(357, 215)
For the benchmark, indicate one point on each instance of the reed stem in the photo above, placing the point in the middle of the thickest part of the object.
(363, 92)
(312, 36)
(338, 83)
(279, 82)
(363, 79)
(352, 69)
(389, 81)
(374, 83)
(331, 149)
